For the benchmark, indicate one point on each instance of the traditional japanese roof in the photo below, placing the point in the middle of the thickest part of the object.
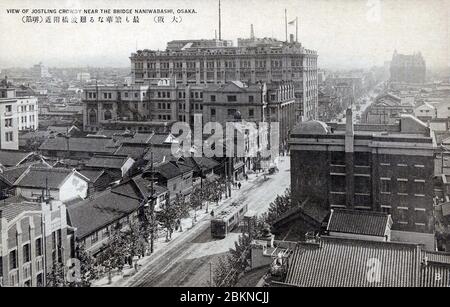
(100, 210)
(10, 158)
(168, 170)
(12, 174)
(172, 169)
(161, 139)
(107, 161)
(392, 99)
(316, 212)
(338, 262)
(145, 186)
(134, 151)
(86, 144)
(201, 163)
(359, 222)
(133, 138)
(91, 174)
(160, 154)
(42, 178)
(62, 129)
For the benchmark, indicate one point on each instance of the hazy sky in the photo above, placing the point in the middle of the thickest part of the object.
(346, 33)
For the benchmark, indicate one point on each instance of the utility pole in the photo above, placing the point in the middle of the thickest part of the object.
(152, 204)
(226, 176)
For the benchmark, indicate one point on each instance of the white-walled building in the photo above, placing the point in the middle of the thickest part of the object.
(9, 127)
(27, 113)
(60, 184)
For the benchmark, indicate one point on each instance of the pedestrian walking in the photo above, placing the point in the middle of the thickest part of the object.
(239, 185)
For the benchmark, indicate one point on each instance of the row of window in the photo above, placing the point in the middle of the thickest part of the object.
(23, 119)
(26, 254)
(227, 64)
(403, 216)
(402, 186)
(164, 117)
(9, 136)
(27, 108)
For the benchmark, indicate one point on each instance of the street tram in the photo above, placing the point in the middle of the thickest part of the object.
(225, 221)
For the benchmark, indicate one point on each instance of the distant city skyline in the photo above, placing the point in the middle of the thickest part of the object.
(346, 33)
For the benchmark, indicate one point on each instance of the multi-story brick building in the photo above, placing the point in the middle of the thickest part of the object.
(154, 106)
(114, 105)
(33, 236)
(386, 168)
(212, 61)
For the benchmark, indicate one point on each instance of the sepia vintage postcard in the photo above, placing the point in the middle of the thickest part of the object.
(224, 148)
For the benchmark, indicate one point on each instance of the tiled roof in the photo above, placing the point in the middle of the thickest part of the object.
(206, 163)
(359, 222)
(35, 134)
(12, 158)
(314, 211)
(91, 174)
(87, 144)
(13, 206)
(337, 262)
(44, 177)
(184, 168)
(145, 186)
(129, 189)
(160, 154)
(99, 211)
(435, 269)
(13, 174)
(200, 163)
(61, 129)
(110, 162)
(168, 170)
(161, 138)
(134, 151)
(110, 133)
(137, 138)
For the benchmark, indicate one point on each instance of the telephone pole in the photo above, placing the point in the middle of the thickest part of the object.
(152, 204)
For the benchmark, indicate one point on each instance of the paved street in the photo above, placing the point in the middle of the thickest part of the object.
(186, 261)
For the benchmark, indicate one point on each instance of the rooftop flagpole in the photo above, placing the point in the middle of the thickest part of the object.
(285, 23)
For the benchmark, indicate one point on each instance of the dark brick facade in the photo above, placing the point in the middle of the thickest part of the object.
(387, 172)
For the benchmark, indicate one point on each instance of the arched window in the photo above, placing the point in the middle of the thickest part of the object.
(107, 115)
(92, 117)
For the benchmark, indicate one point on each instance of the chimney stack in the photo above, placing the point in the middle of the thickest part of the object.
(349, 121)
(252, 32)
(291, 38)
(349, 159)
